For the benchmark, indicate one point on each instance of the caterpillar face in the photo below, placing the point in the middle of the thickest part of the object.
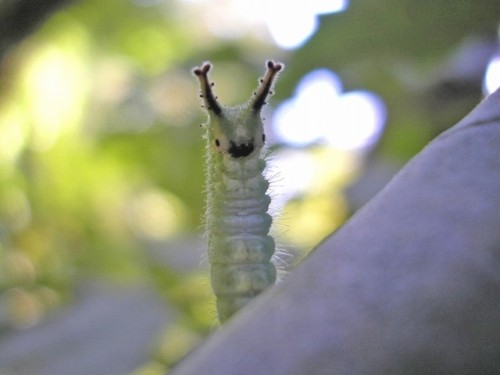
(236, 132)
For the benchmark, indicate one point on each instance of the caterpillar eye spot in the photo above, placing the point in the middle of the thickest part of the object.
(240, 150)
(217, 143)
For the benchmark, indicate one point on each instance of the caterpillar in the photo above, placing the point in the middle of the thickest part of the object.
(236, 217)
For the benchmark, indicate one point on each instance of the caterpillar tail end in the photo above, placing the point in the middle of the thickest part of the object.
(236, 285)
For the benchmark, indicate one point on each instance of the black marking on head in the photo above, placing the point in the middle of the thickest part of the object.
(263, 137)
(217, 143)
(240, 150)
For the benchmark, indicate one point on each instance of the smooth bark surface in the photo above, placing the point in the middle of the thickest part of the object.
(410, 285)
(109, 329)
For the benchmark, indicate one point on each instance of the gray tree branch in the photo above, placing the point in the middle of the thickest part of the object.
(410, 285)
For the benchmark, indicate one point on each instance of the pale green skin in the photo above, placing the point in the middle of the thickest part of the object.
(237, 223)
(239, 247)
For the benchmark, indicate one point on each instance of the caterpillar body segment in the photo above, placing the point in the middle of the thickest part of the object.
(237, 222)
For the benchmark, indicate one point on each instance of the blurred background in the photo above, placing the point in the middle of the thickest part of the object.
(101, 157)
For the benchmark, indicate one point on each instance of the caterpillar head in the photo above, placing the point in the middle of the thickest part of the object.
(236, 131)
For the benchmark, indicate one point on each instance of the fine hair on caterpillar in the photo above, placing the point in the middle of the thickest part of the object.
(236, 217)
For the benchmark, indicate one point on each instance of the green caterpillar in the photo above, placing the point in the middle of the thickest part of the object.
(237, 222)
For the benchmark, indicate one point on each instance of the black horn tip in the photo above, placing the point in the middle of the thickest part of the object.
(203, 70)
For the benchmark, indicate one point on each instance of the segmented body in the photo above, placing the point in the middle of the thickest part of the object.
(237, 222)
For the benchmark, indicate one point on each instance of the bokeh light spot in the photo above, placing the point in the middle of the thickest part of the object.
(292, 23)
(289, 24)
(320, 113)
(492, 76)
(156, 215)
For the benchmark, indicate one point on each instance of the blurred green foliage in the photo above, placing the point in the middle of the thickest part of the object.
(101, 155)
